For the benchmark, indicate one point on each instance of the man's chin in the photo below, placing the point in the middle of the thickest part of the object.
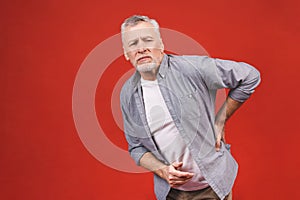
(146, 67)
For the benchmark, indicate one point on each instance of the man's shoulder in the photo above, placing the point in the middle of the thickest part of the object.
(185, 58)
(189, 64)
(186, 62)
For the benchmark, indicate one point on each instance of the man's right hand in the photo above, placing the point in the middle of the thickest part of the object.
(174, 176)
(171, 173)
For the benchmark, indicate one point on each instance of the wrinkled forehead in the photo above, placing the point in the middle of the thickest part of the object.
(134, 33)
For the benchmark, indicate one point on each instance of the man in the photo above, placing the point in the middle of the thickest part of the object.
(169, 117)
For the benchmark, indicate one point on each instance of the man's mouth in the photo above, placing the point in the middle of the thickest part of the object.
(143, 59)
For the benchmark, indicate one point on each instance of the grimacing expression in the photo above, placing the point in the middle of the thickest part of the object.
(142, 44)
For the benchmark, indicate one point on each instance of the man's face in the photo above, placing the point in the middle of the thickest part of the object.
(142, 46)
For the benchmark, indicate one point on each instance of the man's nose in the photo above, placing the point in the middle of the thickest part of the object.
(141, 48)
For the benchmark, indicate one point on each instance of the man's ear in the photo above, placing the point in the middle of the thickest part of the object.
(125, 55)
(162, 46)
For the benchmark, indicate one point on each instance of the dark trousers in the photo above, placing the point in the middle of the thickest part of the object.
(203, 194)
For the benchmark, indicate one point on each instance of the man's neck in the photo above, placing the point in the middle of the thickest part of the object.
(149, 76)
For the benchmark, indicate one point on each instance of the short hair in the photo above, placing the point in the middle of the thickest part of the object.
(135, 19)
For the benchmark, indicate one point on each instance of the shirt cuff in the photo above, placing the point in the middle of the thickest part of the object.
(137, 153)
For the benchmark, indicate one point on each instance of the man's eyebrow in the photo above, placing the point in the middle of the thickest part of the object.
(147, 36)
(132, 40)
(143, 37)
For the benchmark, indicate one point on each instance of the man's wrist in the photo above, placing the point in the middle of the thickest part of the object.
(162, 172)
(219, 122)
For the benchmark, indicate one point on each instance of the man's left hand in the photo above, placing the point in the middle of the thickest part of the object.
(220, 135)
(227, 109)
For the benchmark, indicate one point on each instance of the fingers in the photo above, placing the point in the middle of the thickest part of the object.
(219, 128)
(218, 142)
(180, 174)
(178, 182)
(177, 165)
(220, 138)
(177, 177)
(175, 171)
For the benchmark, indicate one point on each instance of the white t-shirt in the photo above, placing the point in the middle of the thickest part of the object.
(167, 137)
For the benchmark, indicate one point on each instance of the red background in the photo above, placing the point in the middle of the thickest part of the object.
(43, 44)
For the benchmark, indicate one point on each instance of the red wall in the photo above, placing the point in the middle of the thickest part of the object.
(43, 44)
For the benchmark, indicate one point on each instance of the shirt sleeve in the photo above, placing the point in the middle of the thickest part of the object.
(241, 78)
(135, 147)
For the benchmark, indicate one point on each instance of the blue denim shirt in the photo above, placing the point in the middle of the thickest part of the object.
(189, 85)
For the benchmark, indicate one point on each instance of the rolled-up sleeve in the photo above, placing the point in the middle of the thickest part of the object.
(241, 78)
(135, 147)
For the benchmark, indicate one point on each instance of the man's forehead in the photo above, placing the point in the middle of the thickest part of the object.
(140, 32)
(139, 25)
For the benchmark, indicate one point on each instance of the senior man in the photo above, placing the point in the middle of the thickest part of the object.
(168, 109)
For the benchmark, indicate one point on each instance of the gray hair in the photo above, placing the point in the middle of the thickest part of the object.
(135, 19)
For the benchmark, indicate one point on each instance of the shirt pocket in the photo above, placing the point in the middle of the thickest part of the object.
(189, 105)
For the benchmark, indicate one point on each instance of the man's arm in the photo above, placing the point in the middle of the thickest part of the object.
(142, 156)
(171, 173)
(241, 78)
(225, 112)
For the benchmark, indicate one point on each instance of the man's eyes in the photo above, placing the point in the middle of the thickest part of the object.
(148, 40)
(135, 42)
(132, 44)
